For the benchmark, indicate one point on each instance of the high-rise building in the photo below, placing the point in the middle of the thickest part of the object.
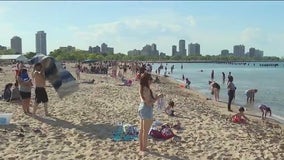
(41, 42)
(251, 52)
(194, 49)
(239, 50)
(182, 50)
(174, 50)
(16, 44)
(104, 48)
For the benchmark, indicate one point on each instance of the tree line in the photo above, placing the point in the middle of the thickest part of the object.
(80, 55)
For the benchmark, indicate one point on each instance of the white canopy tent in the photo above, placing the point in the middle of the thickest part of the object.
(15, 57)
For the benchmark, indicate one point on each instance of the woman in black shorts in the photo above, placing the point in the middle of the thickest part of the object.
(25, 86)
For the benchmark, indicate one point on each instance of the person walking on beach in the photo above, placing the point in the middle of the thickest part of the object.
(145, 109)
(231, 92)
(25, 87)
(40, 92)
(250, 95)
(264, 109)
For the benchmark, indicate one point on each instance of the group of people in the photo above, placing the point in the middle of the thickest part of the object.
(22, 88)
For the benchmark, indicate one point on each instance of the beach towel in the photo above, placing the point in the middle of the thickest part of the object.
(125, 132)
(62, 80)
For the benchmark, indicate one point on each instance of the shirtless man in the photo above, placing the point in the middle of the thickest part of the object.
(40, 92)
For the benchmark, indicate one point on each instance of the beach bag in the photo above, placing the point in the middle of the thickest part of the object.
(156, 134)
(167, 133)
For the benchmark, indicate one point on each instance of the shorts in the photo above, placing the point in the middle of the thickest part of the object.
(40, 95)
(25, 95)
(145, 112)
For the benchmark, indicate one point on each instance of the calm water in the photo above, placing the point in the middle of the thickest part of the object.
(268, 81)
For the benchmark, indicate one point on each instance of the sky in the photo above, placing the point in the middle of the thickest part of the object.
(128, 25)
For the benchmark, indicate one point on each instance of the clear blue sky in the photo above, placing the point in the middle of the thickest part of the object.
(127, 25)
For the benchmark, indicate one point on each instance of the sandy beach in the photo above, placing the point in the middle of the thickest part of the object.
(81, 125)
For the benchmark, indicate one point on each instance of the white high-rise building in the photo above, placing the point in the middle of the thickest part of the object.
(41, 42)
(16, 44)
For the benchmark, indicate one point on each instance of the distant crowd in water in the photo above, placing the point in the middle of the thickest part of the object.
(251, 64)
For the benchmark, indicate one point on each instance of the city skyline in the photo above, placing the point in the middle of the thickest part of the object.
(130, 25)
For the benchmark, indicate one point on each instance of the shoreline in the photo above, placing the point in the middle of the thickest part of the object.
(249, 111)
(212, 61)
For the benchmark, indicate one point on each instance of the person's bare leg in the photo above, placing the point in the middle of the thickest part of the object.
(46, 109)
(147, 126)
(141, 141)
(35, 107)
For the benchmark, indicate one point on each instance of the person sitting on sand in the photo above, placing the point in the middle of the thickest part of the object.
(240, 117)
(264, 109)
(170, 109)
(250, 95)
(7, 92)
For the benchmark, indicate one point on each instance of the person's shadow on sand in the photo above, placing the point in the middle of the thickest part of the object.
(101, 131)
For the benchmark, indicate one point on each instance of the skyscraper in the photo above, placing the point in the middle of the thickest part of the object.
(194, 49)
(41, 42)
(239, 50)
(182, 50)
(174, 50)
(16, 44)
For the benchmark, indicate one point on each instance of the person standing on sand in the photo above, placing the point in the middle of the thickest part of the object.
(145, 109)
(40, 92)
(231, 92)
(25, 88)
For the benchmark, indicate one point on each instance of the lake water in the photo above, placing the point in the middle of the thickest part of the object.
(268, 80)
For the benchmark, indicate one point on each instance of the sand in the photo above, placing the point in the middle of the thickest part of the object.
(81, 126)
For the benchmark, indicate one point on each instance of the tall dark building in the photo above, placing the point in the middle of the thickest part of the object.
(174, 50)
(41, 42)
(16, 44)
(182, 50)
(194, 49)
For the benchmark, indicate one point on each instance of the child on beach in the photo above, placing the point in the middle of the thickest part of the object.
(170, 109)
(264, 109)
(240, 117)
(40, 92)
